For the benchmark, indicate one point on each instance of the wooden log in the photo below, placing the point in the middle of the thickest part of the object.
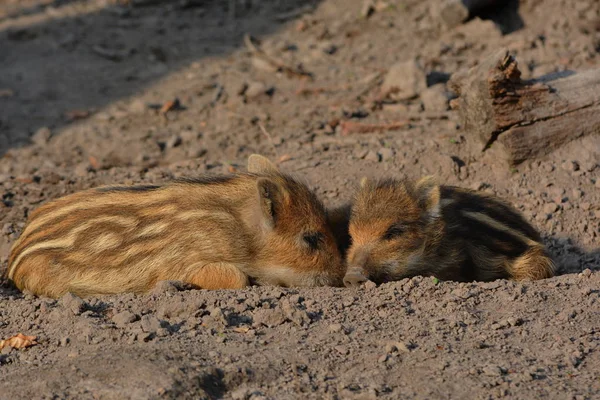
(527, 118)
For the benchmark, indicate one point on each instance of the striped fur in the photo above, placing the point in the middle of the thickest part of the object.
(401, 229)
(210, 232)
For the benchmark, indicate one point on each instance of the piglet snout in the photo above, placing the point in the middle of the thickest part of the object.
(355, 277)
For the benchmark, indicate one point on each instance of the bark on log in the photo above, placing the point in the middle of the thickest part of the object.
(528, 118)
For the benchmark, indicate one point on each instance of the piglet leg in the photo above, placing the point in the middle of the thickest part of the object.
(218, 276)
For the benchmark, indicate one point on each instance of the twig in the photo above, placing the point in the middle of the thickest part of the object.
(294, 13)
(350, 127)
(303, 90)
(217, 95)
(254, 48)
(371, 84)
(268, 135)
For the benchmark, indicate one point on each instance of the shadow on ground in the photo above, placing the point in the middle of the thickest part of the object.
(570, 258)
(65, 59)
(506, 16)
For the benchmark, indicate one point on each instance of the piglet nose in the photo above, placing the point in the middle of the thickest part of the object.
(355, 278)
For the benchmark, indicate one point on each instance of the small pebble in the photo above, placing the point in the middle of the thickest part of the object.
(123, 318)
(73, 303)
(383, 358)
(386, 154)
(372, 156)
(370, 285)
(550, 208)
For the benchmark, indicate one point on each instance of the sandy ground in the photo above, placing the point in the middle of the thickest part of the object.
(81, 85)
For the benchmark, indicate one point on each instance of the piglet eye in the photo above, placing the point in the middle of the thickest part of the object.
(393, 232)
(313, 239)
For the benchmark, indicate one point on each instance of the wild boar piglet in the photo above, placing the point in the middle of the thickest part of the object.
(211, 232)
(401, 228)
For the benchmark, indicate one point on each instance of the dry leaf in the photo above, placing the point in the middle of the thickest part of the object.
(241, 329)
(19, 341)
(284, 158)
(7, 93)
(170, 105)
(94, 162)
(74, 115)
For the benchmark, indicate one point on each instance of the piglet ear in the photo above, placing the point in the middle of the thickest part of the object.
(428, 192)
(258, 164)
(270, 197)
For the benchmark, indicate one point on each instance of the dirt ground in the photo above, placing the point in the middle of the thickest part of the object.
(81, 88)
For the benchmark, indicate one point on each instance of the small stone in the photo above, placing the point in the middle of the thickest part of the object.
(383, 358)
(7, 229)
(576, 194)
(189, 135)
(368, 8)
(73, 303)
(162, 332)
(404, 80)
(295, 314)
(257, 89)
(361, 153)
(42, 136)
(240, 394)
(480, 185)
(570, 166)
(372, 156)
(51, 178)
(174, 141)
(588, 166)
(348, 301)
(369, 285)
(169, 287)
(435, 98)
(216, 319)
(65, 341)
(263, 65)
(451, 12)
(492, 370)
(556, 192)
(512, 321)
(585, 206)
(82, 169)
(386, 154)
(396, 347)
(478, 27)
(547, 167)
(123, 318)
(550, 208)
(268, 317)
(335, 328)
(150, 324)
(463, 172)
(343, 350)
(138, 107)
